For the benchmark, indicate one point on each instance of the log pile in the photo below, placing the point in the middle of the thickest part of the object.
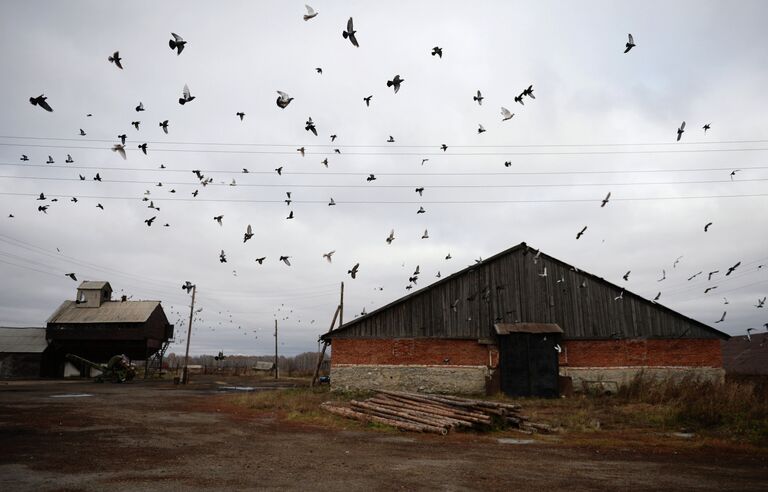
(437, 414)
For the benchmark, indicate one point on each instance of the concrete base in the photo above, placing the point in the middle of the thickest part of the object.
(610, 378)
(424, 379)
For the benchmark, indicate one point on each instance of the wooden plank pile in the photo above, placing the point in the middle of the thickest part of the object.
(437, 414)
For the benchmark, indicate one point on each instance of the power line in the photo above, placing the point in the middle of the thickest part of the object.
(401, 202)
(405, 154)
(368, 186)
(350, 173)
(389, 145)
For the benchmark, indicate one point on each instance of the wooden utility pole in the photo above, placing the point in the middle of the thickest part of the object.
(321, 354)
(185, 373)
(276, 368)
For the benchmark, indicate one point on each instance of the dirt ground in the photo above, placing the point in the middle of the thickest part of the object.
(156, 436)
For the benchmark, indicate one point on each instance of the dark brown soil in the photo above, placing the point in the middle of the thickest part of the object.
(156, 436)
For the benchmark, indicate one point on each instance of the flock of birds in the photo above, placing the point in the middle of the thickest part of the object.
(178, 44)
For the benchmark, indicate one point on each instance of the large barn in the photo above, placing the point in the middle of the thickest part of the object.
(95, 327)
(501, 324)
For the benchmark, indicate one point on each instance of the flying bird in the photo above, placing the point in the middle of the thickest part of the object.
(420, 190)
(709, 277)
(177, 43)
(136, 124)
(620, 297)
(69, 159)
(97, 177)
(260, 261)
(350, 33)
(115, 58)
(707, 127)
(528, 92)
(248, 233)
(760, 303)
(187, 286)
(731, 269)
(311, 14)
(99, 205)
(319, 70)
(657, 297)
(733, 173)
(279, 170)
(222, 257)
(290, 215)
(448, 256)
(519, 99)
(41, 101)
(444, 147)
(674, 265)
(150, 220)
(122, 138)
(120, 149)
(371, 177)
(310, 126)
(630, 44)
(367, 102)
(421, 210)
(328, 256)
(391, 139)
(395, 83)
(241, 115)
(143, 148)
(140, 107)
(353, 272)
(626, 275)
(332, 202)
(544, 273)
(334, 137)
(437, 51)
(680, 131)
(43, 208)
(581, 233)
(285, 259)
(605, 200)
(283, 99)
(423, 161)
(219, 219)
(507, 114)
(722, 318)
(71, 275)
(425, 235)
(479, 98)
(480, 129)
(25, 158)
(82, 132)
(164, 125)
(391, 236)
(186, 95)
(694, 276)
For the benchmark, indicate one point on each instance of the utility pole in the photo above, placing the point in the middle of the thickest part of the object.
(276, 369)
(321, 352)
(185, 373)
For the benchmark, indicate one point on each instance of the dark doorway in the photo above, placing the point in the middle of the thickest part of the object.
(528, 363)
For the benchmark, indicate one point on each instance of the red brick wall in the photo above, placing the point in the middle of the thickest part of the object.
(638, 352)
(413, 351)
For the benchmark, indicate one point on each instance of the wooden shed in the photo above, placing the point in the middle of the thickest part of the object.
(95, 327)
(458, 334)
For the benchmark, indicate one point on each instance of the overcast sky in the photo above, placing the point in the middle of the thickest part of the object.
(702, 62)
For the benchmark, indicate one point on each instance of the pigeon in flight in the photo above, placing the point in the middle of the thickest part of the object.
(674, 265)
(99, 205)
(319, 70)
(528, 92)
(421, 210)
(186, 96)
(177, 43)
(71, 275)
(115, 58)
(507, 114)
(479, 98)
(222, 257)
(760, 303)
(311, 14)
(136, 124)
(626, 276)
(143, 148)
(283, 99)
(290, 215)
(544, 273)
(260, 261)
(444, 147)
(620, 297)
(425, 235)
(420, 190)
(218, 219)
(694, 276)
(507, 163)
(324, 162)
(187, 286)
(605, 200)
(350, 33)
(709, 277)
(248, 233)
(423, 161)
(371, 177)
(707, 127)
(706, 227)
(279, 170)
(630, 44)
(448, 256)
(680, 131)
(120, 149)
(41, 101)
(97, 177)
(164, 125)
(519, 99)
(25, 158)
(241, 115)
(334, 137)
(581, 233)
(706, 291)
(480, 129)
(43, 208)
(353, 272)
(437, 51)
(122, 138)
(367, 101)
(69, 159)
(731, 269)
(657, 297)
(733, 173)
(395, 83)
(140, 107)
(391, 236)
(150, 220)
(285, 259)
(332, 202)
(391, 139)
(42, 197)
(82, 132)
(722, 318)
(310, 126)
(328, 256)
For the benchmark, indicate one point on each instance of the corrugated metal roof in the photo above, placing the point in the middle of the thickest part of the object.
(108, 312)
(22, 340)
(507, 328)
(93, 285)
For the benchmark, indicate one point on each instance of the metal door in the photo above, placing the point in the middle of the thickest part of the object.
(529, 365)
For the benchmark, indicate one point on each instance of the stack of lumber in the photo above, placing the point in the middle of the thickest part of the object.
(437, 414)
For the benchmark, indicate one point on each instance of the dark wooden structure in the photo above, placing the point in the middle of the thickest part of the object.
(96, 328)
(509, 288)
(528, 363)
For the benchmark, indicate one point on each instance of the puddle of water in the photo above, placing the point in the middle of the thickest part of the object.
(509, 440)
(72, 395)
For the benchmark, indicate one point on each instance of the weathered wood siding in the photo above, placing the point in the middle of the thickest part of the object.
(507, 288)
